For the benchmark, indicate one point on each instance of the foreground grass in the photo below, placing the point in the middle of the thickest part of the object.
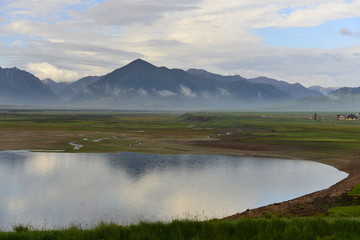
(262, 228)
(355, 191)
(351, 210)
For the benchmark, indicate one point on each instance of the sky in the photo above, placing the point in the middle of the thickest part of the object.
(313, 42)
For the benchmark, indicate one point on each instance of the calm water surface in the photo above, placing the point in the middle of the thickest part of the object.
(59, 189)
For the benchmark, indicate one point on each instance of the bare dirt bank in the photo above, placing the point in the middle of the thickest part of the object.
(314, 203)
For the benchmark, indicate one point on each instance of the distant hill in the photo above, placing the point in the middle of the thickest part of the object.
(295, 90)
(74, 88)
(342, 99)
(56, 87)
(23, 88)
(141, 84)
(324, 90)
(346, 92)
(205, 74)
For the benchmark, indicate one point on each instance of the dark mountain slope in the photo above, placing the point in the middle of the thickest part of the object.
(324, 90)
(20, 87)
(56, 87)
(143, 75)
(346, 92)
(295, 90)
(140, 82)
(73, 89)
(205, 74)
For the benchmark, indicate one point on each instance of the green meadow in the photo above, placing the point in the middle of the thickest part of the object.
(353, 210)
(277, 228)
(275, 134)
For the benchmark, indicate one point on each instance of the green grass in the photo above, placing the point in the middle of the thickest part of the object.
(263, 228)
(293, 132)
(355, 191)
(354, 209)
(349, 211)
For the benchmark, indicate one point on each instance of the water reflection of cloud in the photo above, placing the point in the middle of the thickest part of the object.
(65, 188)
(42, 164)
(16, 205)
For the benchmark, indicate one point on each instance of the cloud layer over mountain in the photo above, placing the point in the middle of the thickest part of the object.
(66, 39)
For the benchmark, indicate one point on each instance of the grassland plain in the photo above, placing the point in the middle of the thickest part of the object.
(277, 228)
(284, 135)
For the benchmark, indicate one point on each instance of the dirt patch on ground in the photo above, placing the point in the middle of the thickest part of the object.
(239, 145)
(33, 139)
(314, 203)
(308, 205)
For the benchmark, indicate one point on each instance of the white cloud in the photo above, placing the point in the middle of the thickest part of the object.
(127, 12)
(46, 70)
(142, 92)
(92, 38)
(166, 93)
(224, 92)
(187, 92)
(310, 67)
(321, 11)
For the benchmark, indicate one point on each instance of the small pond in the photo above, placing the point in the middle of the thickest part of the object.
(50, 190)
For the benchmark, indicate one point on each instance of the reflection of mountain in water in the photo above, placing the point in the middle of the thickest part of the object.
(13, 160)
(138, 164)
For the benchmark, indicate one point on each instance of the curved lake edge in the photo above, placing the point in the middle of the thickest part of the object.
(286, 207)
(306, 205)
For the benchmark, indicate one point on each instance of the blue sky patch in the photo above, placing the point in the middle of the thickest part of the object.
(332, 34)
(11, 39)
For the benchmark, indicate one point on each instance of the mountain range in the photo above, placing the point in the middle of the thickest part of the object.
(141, 85)
(69, 92)
(18, 87)
(295, 90)
(56, 87)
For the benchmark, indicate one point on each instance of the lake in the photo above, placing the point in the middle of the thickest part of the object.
(50, 190)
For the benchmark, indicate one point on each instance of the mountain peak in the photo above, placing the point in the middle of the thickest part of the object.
(140, 62)
(48, 81)
(21, 87)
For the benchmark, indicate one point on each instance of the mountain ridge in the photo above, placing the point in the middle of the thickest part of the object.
(56, 87)
(21, 87)
(75, 87)
(296, 90)
(169, 86)
(140, 84)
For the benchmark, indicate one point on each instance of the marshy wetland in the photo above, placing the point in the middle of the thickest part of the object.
(274, 135)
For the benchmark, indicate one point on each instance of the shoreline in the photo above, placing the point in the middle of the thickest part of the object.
(309, 204)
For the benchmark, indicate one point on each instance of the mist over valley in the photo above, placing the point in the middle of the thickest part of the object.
(142, 85)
